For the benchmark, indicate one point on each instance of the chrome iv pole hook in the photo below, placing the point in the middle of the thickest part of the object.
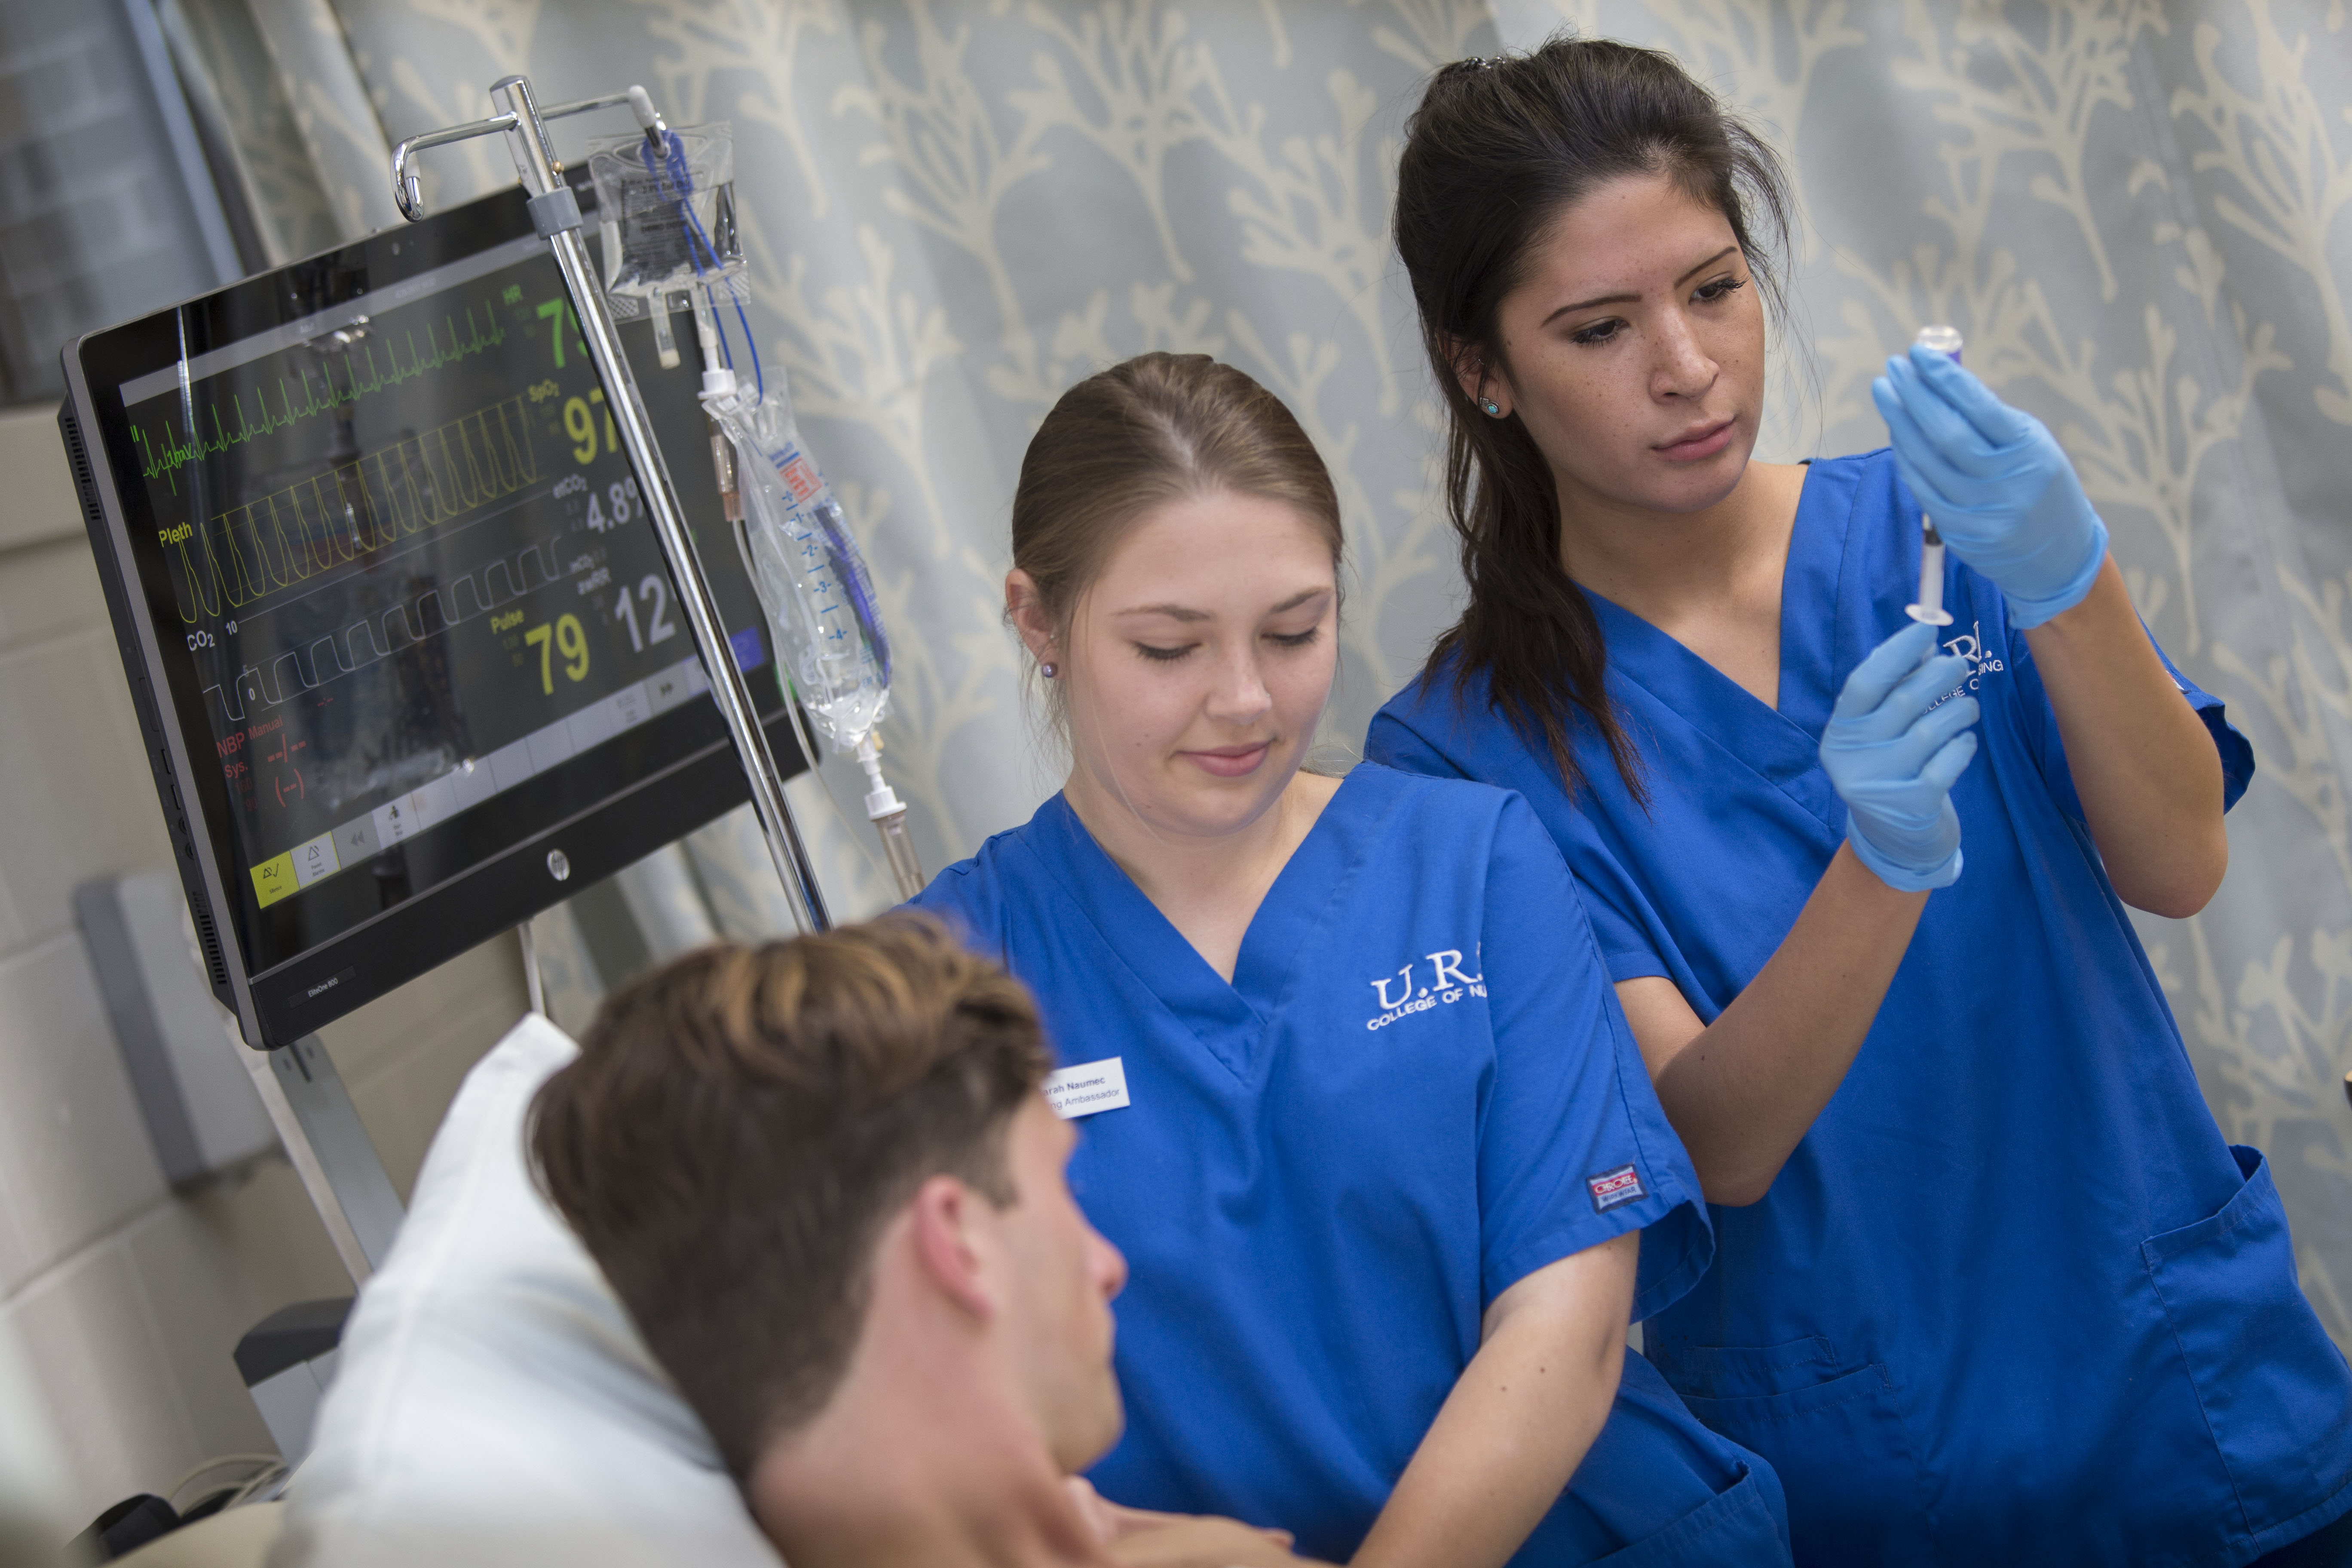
(406, 190)
(409, 193)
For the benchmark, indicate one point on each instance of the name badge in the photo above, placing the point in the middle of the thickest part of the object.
(1089, 1088)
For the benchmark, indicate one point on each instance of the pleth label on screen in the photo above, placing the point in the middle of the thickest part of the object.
(1089, 1089)
(1610, 1188)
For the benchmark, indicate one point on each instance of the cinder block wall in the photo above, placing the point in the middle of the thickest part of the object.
(128, 1299)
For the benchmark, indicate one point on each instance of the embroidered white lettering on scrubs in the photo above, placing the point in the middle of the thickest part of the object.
(1969, 646)
(1447, 986)
(1088, 1089)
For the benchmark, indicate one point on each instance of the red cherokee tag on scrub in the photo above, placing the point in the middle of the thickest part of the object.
(1610, 1188)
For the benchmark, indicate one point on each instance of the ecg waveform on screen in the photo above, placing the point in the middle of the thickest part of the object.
(426, 610)
(242, 556)
(163, 458)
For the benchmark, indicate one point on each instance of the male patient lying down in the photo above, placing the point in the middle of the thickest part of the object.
(822, 1177)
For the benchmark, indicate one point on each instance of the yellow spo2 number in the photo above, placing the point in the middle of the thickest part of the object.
(581, 425)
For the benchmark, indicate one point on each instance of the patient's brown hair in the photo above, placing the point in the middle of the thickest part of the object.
(740, 1124)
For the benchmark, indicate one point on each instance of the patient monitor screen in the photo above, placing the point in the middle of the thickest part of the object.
(409, 605)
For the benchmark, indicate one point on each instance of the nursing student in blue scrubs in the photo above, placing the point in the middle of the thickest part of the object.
(1991, 1286)
(1358, 1104)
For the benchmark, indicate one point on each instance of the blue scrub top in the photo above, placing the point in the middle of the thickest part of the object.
(1417, 1089)
(2012, 1299)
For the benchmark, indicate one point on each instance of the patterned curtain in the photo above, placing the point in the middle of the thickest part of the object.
(2137, 213)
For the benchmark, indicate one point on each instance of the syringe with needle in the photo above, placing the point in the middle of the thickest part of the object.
(1930, 608)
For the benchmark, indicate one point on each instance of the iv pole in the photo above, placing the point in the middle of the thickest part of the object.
(555, 214)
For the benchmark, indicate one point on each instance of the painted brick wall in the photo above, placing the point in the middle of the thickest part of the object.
(128, 1299)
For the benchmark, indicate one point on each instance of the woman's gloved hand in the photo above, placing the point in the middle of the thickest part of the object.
(1894, 756)
(2002, 493)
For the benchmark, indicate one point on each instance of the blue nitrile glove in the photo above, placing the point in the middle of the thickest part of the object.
(1894, 757)
(2002, 495)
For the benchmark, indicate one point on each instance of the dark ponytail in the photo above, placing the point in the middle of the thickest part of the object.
(1496, 151)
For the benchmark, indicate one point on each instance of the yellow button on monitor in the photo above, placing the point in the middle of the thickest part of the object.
(273, 879)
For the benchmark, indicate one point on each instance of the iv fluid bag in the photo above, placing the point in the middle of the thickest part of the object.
(666, 215)
(810, 577)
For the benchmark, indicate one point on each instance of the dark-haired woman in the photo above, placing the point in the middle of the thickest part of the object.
(1991, 1286)
(1361, 1108)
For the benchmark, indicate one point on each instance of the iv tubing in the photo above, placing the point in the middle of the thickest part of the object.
(534, 161)
(889, 815)
(675, 174)
(557, 218)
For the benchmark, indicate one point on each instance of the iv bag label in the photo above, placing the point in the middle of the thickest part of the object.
(1088, 1089)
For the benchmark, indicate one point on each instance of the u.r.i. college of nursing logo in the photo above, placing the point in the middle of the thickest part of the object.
(1969, 646)
(1447, 984)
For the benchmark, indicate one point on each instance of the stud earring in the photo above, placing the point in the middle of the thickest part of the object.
(1494, 409)
(1049, 669)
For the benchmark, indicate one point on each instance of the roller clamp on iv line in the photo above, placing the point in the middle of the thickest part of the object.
(1945, 341)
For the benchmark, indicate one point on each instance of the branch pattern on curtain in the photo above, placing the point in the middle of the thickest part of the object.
(2137, 213)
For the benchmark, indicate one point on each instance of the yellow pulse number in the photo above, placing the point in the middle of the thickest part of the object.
(568, 637)
(579, 424)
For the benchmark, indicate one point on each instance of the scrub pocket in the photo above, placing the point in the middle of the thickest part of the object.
(2274, 1389)
(1833, 1431)
(1737, 1530)
(1658, 1488)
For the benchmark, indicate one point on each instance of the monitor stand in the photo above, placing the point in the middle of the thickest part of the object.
(289, 1359)
(328, 1146)
(330, 1151)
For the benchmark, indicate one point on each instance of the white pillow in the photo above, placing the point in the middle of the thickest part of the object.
(493, 1403)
